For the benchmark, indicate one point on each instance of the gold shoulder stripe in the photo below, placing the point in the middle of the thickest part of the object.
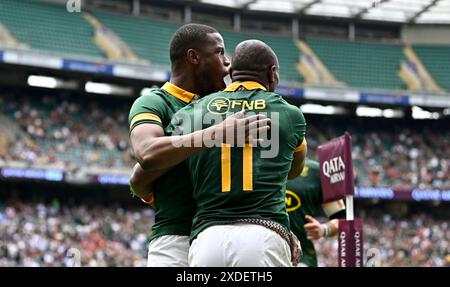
(144, 116)
(302, 146)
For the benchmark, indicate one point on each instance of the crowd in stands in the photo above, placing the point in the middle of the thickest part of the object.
(390, 153)
(61, 130)
(415, 241)
(45, 235)
(83, 132)
(37, 234)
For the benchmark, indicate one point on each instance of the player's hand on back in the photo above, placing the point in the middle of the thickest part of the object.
(239, 129)
(296, 249)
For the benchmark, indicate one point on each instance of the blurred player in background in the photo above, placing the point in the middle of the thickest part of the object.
(303, 202)
(241, 217)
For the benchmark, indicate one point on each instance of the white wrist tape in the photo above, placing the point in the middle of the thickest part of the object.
(326, 230)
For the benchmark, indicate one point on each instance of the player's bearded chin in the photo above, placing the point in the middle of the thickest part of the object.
(211, 84)
(220, 83)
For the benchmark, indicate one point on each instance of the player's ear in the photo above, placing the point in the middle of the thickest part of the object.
(271, 74)
(230, 72)
(193, 56)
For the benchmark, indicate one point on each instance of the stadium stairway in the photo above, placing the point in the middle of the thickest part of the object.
(7, 39)
(149, 39)
(414, 74)
(436, 59)
(13, 132)
(312, 68)
(109, 42)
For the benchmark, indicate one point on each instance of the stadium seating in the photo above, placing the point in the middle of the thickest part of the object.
(148, 39)
(364, 65)
(361, 65)
(48, 27)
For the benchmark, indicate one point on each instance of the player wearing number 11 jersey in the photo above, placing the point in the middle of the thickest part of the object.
(241, 217)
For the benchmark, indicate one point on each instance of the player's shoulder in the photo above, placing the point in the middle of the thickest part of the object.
(154, 101)
(273, 97)
(152, 96)
(276, 98)
(294, 112)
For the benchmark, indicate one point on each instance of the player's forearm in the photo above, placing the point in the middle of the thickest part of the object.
(168, 151)
(297, 164)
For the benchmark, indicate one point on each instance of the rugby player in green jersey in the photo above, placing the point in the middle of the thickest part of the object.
(303, 202)
(241, 217)
(199, 65)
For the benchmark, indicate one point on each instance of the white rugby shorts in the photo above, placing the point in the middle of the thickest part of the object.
(168, 251)
(239, 245)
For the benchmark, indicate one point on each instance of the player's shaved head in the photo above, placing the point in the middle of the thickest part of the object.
(189, 36)
(253, 55)
(254, 60)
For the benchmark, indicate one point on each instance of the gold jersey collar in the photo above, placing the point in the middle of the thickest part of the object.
(249, 85)
(178, 92)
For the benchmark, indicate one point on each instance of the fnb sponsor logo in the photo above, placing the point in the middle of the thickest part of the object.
(223, 105)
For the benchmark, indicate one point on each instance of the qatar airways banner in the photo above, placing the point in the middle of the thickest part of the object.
(416, 194)
(32, 173)
(336, 171)
(350, 247)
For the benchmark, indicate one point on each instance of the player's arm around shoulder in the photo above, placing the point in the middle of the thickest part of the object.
(145, 118)
(297, 140)
(155, 150)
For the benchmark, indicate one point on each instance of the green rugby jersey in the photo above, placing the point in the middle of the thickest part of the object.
(233, 183)
(174, 204)
(304, 197)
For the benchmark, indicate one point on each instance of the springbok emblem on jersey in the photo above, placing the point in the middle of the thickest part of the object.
(219, 105)
(292, 200)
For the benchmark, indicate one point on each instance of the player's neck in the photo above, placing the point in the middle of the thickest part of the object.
(184, 82)
(245, 77)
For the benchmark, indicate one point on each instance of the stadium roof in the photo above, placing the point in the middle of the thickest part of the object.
(402, 11)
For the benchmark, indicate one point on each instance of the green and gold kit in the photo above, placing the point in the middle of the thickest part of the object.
(232, 183)
(174, 204)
